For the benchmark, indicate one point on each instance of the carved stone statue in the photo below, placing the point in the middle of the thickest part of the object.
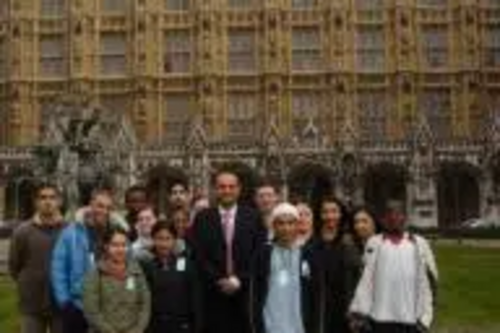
(82, 144)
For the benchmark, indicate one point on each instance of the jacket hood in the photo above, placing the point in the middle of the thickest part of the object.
(115, 218)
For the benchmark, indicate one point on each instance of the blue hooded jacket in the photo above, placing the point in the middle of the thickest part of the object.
(72, 259)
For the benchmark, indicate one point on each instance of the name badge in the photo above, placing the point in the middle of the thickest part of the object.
(92, 259)
(130, 284)
(305, 269)
(181, 264)
(283, 278)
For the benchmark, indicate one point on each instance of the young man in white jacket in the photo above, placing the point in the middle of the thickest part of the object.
(397, 290)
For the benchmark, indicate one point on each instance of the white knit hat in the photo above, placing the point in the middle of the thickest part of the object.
(285, 210)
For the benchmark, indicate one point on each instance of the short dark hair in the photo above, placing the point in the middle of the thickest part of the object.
(161, 225)
(226, 171)
(101, 192)
(179, 182)
(112, 232)
(268, 182)
(135, 189)
(393, 204)
(45, 186)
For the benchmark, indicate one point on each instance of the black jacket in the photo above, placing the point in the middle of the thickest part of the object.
(176, 292)
(207, 237)
(310, 289)
(341, 268)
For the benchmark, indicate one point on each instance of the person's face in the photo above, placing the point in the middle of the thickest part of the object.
(163, 243)
(181, 223)
(136, 201)
(228, 189)
(364, 225)
(394, 220)
(331, 215)
(47, 202)
(285, 230)
(266, 199)
(117, 248)
(179, 196)
(100, 209)
(146, 219)
(305, 225)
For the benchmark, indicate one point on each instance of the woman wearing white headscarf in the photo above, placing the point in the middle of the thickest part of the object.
(284, 289)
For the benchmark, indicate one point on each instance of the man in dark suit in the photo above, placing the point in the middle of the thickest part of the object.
(224, 238)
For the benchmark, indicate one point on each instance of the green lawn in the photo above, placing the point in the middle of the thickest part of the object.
(469, 287)
(469, 293)
(7, 307)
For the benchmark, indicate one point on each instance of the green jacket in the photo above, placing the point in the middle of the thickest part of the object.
(115, 306)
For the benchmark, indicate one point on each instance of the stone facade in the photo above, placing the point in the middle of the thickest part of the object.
(399, 92)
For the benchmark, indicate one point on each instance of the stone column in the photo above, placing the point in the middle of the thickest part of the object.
(489, 200)
(2, 201)
(422, 202)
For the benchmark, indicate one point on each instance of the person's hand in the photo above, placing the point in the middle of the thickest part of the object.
(358, 323)
(421, 328)
(68, 308)
(229, 285)
(224, 285)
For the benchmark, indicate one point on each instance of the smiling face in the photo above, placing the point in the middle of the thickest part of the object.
(266, 198)
(331, 215)
(100, 208)
(116, 248)
(164, 242)
(179, 196)
(135, 201)
(364, 225)
(180, 218)
(305, 225)
(285, 230)
(146, 219)
(228, 189)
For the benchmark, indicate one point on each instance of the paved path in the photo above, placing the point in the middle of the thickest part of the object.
(4, 245)
(468, 330)
(485, 243)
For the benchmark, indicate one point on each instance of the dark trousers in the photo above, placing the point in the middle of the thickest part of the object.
(41, 323)
(73, 320)
(392, 328)
(170, 326)
(227, 314)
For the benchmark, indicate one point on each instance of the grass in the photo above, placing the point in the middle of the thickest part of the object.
(8, 317)
(469, 291)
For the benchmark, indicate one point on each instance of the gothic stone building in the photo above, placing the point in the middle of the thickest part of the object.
(370, 99)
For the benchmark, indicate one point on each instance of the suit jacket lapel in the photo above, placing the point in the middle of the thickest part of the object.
(217, 228)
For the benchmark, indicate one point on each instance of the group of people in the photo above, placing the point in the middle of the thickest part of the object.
(220, 268)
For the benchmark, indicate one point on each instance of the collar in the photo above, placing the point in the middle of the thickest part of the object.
(232, 210)
(397, 239)
(294, 247)
(57, 221)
